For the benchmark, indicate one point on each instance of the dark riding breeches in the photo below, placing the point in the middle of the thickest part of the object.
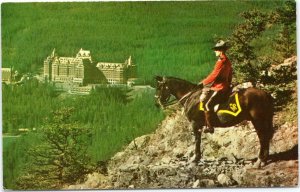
(216, 97)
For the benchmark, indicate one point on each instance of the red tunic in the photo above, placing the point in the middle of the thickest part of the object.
(221, 76)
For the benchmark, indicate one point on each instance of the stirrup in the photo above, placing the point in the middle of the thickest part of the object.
(208, 130)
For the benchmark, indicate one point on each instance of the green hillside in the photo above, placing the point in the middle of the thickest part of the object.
(170, 38)
(163, 38)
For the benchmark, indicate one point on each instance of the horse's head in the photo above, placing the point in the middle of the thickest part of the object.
(163, 92)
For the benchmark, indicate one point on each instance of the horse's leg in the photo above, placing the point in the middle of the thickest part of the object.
(197, 134)
(265, 132)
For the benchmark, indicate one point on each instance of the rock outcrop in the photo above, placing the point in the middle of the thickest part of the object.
(162, 159)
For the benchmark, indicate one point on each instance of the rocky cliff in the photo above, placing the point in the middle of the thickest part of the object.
(162, 159)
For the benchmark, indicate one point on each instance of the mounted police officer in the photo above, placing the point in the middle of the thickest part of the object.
(218, 82)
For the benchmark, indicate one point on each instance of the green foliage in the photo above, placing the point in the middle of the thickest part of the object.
(285, 41)
(164, 38)
(60, 158)
(286, 14)
(14, 157)
(27, 105)
(116, 120)
(113, 119)
(242, 52)
(247, 41)
(290, 111)
(253, 63)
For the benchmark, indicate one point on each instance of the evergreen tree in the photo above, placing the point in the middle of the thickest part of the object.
(61, 158)
(247, 65)
(242, 52)
(285, 41)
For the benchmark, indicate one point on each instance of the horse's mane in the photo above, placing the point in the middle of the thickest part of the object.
(179, 80)
(193, 99)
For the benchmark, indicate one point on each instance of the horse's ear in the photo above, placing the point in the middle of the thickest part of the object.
(164, 79)
(159, 78)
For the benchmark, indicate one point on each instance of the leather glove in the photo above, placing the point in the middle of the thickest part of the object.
(200, 85)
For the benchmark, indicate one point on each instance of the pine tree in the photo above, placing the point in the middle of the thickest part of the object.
(285, 42)
(241, 52)
(61, 158)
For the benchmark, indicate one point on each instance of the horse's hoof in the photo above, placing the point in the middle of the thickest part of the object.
(194, 161)
(190, 166)
(256, 166)
(259, 164)
(209, 130)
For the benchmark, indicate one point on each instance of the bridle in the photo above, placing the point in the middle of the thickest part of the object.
(166, 90)
(166, 101)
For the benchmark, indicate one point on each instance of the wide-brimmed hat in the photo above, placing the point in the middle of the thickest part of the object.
(221, 45)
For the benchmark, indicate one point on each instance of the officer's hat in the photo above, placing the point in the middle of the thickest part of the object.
(221, 45)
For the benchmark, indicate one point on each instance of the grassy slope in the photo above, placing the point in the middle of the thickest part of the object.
(171, 38)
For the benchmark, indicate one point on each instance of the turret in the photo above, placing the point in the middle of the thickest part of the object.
(53, 53)
(84, 54)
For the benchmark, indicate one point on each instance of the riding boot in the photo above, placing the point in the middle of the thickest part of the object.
(209, 128)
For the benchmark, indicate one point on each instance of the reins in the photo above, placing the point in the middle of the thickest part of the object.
(170, 102)
(186, 95)
(180, 100)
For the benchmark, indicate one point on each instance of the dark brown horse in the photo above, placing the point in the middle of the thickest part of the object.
(256, 106)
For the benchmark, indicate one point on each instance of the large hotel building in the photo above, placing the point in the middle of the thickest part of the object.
(81, 69)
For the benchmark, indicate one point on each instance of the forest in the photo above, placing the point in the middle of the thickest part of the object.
(169, 38)
(112, 117)
(164, 38)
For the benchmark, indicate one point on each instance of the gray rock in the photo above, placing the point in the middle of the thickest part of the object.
(207, 183)
(292, 163)
(178, 152)
(196, 183)
(238, 176)
(224, 180)
(165, 160)
(139, 142)
(128, 167)
(134, 160)
(152, 151)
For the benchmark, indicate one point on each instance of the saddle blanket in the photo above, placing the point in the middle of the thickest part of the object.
(228, 110)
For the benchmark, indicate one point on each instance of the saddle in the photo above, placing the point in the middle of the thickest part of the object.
(226, 111)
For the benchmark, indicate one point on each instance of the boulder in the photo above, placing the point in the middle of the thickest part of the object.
(224, 180)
